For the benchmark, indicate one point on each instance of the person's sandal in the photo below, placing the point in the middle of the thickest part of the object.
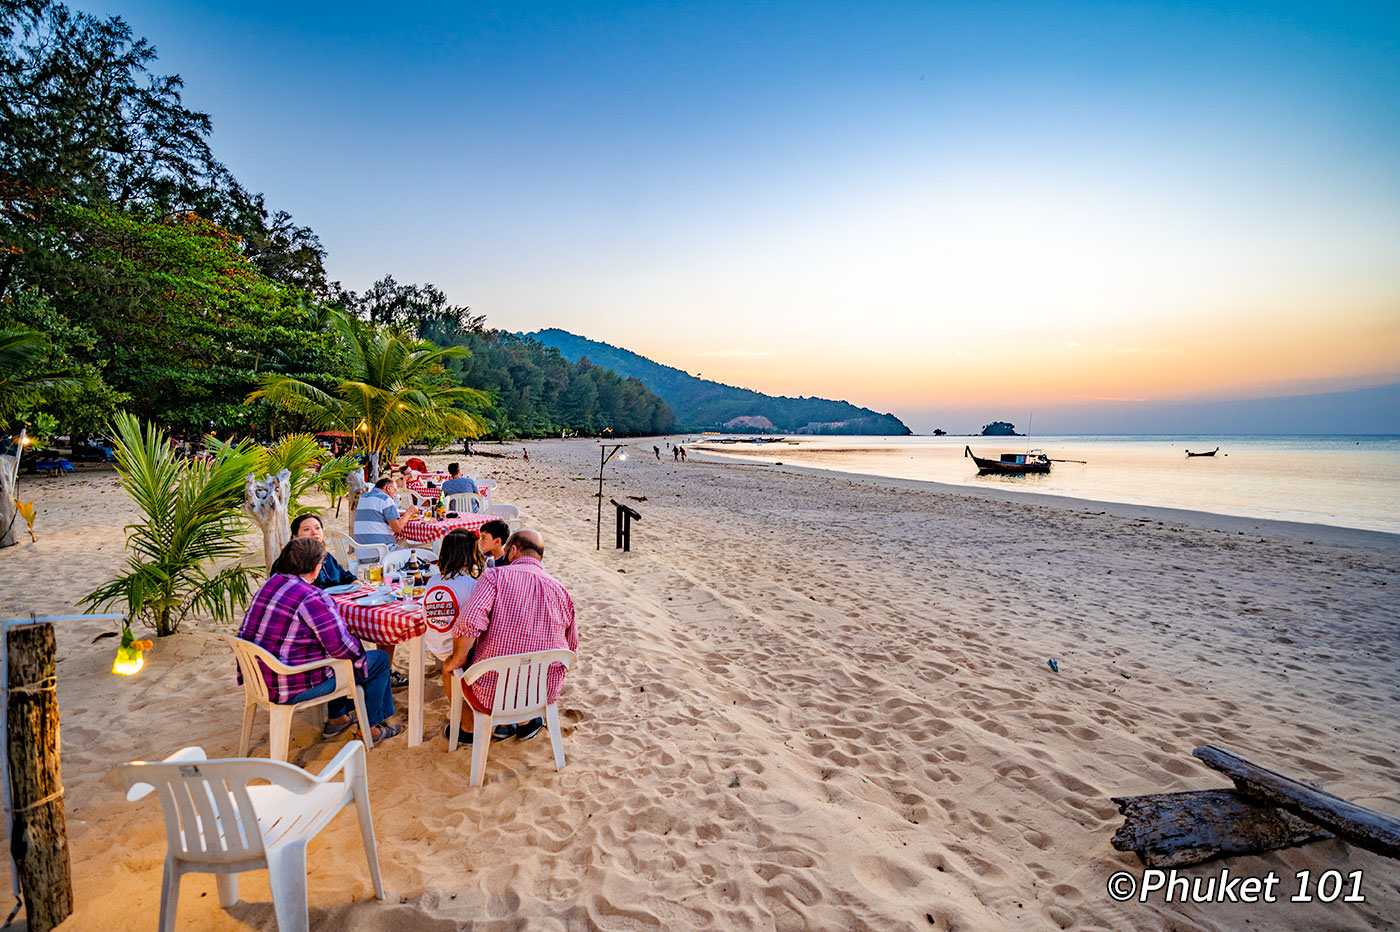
(330, 731)
(386, 732)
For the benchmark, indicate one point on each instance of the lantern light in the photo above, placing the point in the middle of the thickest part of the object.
(129, 660)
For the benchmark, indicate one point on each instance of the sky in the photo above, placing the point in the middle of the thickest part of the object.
(954, 212)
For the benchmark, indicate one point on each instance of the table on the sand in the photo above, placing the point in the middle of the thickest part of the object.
(420, 531)
(433, 494)
(393, 623)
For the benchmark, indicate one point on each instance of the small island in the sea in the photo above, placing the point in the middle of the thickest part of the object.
(999, 429)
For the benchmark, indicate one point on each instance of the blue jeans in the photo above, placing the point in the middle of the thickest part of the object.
(379, 695)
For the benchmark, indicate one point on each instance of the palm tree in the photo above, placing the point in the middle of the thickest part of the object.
(22, 351)
(394, 391)
(193, 519)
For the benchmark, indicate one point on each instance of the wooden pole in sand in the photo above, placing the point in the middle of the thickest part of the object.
(39, 831)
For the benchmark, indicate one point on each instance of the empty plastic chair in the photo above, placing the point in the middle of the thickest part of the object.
(504, 512)
(216, 823)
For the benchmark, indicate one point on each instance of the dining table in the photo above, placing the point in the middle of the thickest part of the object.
(393, 622)
(426, 530)
(434, 492)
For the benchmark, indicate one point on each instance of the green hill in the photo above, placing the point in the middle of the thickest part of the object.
(700, 404)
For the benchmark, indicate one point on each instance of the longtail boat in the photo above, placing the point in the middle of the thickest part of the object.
(1207, 453)
(1011, 464)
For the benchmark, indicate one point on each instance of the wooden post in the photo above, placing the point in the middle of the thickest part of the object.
(624, 524)
(39, 831)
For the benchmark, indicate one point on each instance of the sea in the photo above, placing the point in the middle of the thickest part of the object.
(1343, 481)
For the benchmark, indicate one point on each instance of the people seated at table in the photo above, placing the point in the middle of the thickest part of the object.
(492, 541)
(407, 475)
(377, 521)
(299, 623)
(457, 483)
(377, 518)
(514, 609)
(459, 564)
(332, 573)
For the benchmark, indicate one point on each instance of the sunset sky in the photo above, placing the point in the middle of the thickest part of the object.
(954, 212)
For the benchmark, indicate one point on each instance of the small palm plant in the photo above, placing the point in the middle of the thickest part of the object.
(193, 520)
(307, 462)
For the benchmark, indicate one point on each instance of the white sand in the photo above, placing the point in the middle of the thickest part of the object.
(802, 701)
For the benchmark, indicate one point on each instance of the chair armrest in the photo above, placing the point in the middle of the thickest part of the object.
(350, 758)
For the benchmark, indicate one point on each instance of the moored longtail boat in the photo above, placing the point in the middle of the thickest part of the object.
(1014, 464)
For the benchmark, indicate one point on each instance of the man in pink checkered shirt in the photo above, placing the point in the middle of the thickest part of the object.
(514, 609)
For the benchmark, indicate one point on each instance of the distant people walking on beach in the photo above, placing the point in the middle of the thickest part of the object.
(525, 452)
(676, 454)
(682, 449)
(514, 609)
(657, 451)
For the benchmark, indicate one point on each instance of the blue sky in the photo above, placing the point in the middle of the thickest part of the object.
(951, 211)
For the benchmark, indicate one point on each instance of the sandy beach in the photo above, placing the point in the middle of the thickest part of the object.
(802, 701)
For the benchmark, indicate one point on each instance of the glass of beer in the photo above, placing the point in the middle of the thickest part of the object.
(376, 574)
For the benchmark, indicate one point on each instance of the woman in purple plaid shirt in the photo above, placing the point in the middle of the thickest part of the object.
(298, 623)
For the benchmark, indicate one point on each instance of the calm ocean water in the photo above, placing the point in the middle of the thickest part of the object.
(1337, 480)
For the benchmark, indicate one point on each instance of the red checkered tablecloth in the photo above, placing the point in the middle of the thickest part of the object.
(425, 532)
(422, 491)
(393, 623)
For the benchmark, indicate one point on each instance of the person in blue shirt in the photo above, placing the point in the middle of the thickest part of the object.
(332, 573)
(458, 483)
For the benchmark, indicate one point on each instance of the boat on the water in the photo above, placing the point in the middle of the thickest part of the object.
(1207, 453)
(1011, 464)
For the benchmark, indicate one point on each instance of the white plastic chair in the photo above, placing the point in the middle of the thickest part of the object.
(215, 823)
(521, 695)
(464, 503)
(398, 558)
(486, 484)
(504, 512)
(279, 732)
(342, 545)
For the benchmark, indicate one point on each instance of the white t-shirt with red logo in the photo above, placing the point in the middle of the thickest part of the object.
(442, 605)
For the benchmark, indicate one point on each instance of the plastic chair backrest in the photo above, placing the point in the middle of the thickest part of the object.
(522, 680)
(464, 503)
(248, 654)
(339, 544)
(504, 512)
(208, 816)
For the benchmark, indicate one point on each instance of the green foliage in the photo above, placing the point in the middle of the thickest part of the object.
(394, 391)
(26, 380)
(192, 519)
(535, 392)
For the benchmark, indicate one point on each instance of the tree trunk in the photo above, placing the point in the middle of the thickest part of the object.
(1176, 829)
(9, 514)
(357, 487)
(266, 503)
(1365, 828)
(39, 834)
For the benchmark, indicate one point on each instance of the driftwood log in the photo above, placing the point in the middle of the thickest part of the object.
(1365, 828)
(39, 832)
(1176, 829)
(1265, 811)
(266, 501)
